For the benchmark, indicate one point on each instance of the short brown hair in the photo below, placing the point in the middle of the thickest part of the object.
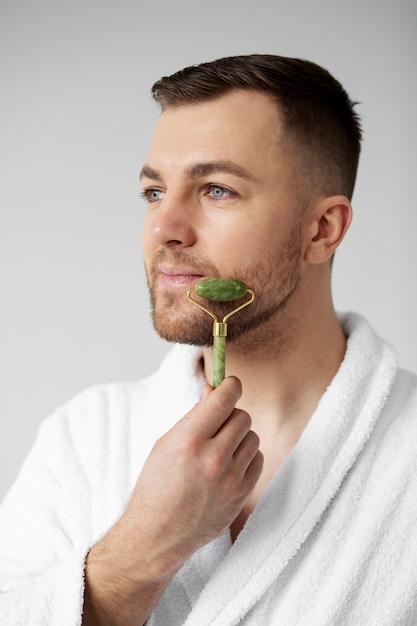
(320, 125)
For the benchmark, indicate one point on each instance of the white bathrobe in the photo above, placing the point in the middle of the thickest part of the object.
(333, 541)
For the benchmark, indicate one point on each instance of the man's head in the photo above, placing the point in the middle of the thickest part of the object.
(236, 188)
(321, 130)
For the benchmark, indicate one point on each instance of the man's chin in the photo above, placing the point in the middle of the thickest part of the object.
(184, 332)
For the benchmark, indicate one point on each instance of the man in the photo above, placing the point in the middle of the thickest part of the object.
(287, 494)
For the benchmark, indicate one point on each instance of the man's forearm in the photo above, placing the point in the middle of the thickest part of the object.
(112, 599)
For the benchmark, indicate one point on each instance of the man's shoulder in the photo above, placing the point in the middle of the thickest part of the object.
(396, 431)
(116, 404)
(404, 390)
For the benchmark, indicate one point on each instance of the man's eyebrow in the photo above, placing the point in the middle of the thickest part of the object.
(199, 170)
(149, 172)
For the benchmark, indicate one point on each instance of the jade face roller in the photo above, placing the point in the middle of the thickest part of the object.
(220, 290)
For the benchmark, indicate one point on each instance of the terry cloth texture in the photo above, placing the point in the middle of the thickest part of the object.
(333, 541)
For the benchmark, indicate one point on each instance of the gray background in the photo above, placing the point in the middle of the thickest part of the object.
(76, 117)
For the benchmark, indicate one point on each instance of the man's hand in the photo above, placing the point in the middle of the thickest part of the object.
(194, 483)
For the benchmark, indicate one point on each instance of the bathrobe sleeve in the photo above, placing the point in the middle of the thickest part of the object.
(43, 538)
(72, 487)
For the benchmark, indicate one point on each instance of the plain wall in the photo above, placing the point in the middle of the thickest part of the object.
(76, 116)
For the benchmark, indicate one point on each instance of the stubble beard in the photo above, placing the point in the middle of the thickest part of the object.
(274, 280)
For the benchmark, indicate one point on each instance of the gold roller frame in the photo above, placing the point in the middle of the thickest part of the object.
(220, 334)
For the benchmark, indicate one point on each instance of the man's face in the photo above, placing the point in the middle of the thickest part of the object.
(220, 203)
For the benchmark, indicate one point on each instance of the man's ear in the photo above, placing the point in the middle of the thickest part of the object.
(330, 221)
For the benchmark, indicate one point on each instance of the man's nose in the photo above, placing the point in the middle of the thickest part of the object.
(171, 224)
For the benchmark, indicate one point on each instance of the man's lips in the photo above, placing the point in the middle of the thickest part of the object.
(178, 277)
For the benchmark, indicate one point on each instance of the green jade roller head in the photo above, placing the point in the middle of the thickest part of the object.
(220, 290)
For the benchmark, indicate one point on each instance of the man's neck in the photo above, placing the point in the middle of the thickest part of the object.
(284, 375)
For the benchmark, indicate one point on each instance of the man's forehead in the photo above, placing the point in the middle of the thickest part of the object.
(226, 135)
(236, 109)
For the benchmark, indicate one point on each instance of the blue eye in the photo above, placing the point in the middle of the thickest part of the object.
(153, 195)
(218, 192)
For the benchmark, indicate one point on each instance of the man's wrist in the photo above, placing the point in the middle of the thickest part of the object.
(119, 594)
